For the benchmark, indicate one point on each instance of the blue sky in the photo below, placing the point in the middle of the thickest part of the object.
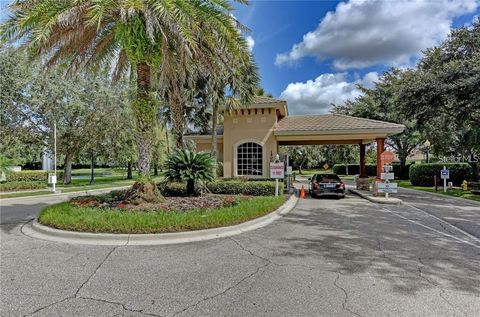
(315, 53)
(341, 44)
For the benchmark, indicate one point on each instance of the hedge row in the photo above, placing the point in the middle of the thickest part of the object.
(354, 169)
(233, 187)
(174, 189)
(31, 176)
(227, 187)
(12, 186)
(423, 174)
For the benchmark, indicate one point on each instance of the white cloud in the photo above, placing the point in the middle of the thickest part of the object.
(250, 42)
(316, 96)
(361, 33)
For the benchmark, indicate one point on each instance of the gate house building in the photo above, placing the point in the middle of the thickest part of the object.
(250, 136)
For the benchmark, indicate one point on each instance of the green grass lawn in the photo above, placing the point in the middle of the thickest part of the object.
(104, 178)
(90, 219)
(450, 192)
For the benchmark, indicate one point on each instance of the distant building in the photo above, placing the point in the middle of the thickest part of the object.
(251, 135)
(47, 161)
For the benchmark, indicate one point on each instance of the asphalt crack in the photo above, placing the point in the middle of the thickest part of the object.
(75, 295)
(380, 247)
(50, 305)
(95, 271)
(441, 294)
(442, 291)
(224, 291)
(124, 307)
(269, 260)
(345, 301)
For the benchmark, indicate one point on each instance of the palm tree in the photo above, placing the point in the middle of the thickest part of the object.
(189, 166)
(231, 90)
(151, 39)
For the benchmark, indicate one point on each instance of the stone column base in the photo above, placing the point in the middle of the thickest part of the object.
(362, 183)
(374, 188)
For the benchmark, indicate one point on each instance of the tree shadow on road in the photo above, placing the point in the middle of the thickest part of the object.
(365, 239)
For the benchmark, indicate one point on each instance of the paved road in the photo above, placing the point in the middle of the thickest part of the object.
(326, 258)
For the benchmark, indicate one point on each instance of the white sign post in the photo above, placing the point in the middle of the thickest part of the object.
(277, 171)
(387, 187)
(444, 174)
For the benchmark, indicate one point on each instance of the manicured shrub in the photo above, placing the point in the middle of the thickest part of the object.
(223, 187)
(27, 176)
(174, 189)
(404, 174)
(13, 186)
(247, 179)
(235, 187)
(32, 176)
(354, 169)
(423, 174)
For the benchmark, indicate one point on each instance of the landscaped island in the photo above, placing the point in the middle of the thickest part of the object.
(109, 213)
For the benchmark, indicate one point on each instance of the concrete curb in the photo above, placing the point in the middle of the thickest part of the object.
(36, 230)
(373, 199)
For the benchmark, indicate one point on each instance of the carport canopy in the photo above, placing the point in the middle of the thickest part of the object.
(336, 129)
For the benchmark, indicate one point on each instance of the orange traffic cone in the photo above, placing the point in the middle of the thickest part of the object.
(302, 192)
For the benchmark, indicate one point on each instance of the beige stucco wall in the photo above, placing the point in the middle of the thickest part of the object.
(253, 125)
(205, 145)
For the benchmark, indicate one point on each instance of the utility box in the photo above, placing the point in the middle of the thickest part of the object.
(52, 178)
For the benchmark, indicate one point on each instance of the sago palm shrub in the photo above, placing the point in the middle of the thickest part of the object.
(190, 167)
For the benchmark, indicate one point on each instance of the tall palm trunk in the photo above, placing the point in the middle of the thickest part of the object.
(214, 130)
(176, 110)
(145, 115)
(166, 139)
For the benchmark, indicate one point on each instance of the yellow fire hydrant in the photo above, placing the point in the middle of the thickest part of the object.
(465, 185)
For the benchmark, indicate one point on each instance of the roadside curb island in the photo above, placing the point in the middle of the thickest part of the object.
(36, 230)
(374, 199)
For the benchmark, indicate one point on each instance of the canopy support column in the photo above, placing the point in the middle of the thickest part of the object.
(362, 180)
(380, 149)
(363, 165)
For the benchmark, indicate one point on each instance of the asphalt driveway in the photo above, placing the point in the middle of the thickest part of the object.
(326, 258)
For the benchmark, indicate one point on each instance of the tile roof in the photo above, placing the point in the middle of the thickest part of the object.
(265, 99)
(331, 122)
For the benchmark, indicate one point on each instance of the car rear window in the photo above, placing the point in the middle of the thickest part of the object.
(327, 178)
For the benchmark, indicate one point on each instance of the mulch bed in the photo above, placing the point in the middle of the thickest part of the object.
(173, 204)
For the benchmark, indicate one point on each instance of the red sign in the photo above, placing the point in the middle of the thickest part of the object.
(277, 170)
(387, 157)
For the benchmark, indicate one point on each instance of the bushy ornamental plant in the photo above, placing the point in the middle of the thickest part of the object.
(188, 166)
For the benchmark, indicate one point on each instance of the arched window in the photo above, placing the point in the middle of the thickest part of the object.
(249, 159)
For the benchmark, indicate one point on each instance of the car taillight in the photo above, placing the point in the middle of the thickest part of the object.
(342, 185)
(315, 184)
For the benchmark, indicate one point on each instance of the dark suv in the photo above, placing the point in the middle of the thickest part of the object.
(326, 184)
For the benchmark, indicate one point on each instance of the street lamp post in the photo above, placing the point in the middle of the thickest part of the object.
(427, 146)
(54, 155)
